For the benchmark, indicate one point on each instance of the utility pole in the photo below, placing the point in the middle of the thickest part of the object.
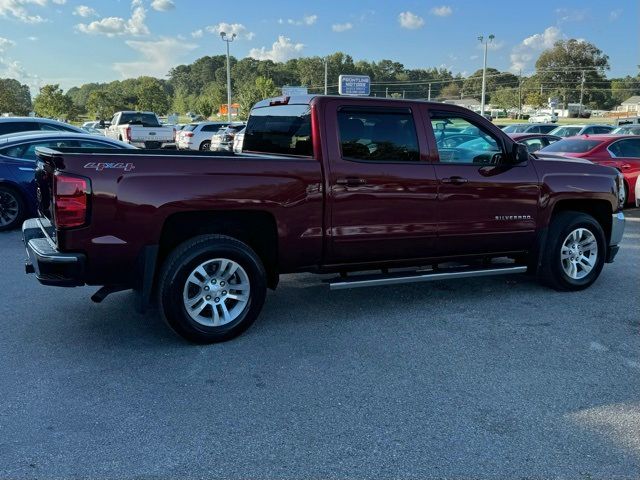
(484, 69)
(402, 93)
(520, 94)
(429, 95)
(386, 92)
(582, 92)
(326, 75)
(228, 40)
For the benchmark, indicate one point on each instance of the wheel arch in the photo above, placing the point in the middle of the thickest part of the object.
(598, 209)
(257, 229)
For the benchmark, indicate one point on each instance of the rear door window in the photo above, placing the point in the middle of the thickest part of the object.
(15, 127)
(54, 127)
(280, 129)
(27, 151)
(378, 135)
(625, 148)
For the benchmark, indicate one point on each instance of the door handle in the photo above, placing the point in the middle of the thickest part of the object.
(455, 180)
(351, 181)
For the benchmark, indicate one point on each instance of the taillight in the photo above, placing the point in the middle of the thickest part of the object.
(71, 200)
(128, 133)
(188, 134)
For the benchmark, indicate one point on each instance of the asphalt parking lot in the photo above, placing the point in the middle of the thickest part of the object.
(486, 377)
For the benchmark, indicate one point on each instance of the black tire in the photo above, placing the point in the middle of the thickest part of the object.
(625, 185)
(552, 272)
(179, 265)
(12, 208)
(205, 146)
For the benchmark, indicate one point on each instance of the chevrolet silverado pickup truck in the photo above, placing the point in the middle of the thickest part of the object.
(374, 191)
(140, 129)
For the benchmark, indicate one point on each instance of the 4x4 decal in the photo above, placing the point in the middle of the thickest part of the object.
(127, 167)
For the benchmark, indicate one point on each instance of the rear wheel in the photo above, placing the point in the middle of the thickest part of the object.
(212, 288)
(575, 252)
(12, 208)
(205, 146)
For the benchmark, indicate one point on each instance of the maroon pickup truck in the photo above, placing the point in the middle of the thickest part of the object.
(376, 191)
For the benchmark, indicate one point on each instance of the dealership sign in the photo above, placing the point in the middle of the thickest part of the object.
(354, 85)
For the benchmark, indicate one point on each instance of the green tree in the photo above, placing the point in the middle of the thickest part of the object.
(505, 97)
(15, 98)
(250, 94)
(151, 95)
(212, 97)
(623, 88)
(450, 91)
(51, 102)
(496, 79)
(562, 68)
(100, 105)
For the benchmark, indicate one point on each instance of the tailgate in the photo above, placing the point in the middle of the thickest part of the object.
(151, 134)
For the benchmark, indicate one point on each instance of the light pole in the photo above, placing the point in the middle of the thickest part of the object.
(225, 38)
(484, 69)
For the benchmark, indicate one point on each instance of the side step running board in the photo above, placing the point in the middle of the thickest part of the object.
(414, 277)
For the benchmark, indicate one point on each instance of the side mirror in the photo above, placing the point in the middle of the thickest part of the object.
(520, 153)
(101, 123)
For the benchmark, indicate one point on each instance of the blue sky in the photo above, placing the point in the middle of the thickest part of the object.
(76, 41)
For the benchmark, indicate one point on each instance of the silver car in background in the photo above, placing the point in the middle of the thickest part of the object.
(223, 139)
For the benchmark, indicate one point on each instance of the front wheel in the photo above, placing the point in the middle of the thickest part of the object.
(212, 288)
(574, 253)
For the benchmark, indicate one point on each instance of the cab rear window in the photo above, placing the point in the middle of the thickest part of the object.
(571, 145)
(280, 129)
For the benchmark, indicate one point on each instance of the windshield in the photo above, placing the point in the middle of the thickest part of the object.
(514, 128)
(573, 145)
(190, 128)
(144, 119)
(565, 131)
(635, 130)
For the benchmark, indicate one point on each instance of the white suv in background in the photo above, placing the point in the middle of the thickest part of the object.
(197, 136)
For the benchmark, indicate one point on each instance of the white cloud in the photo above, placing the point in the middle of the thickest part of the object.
(571, 15)
(615, 14)
(523, 54)
(230, 28)
(341, 27)
(59, 2)
(197, 33)
(307, 21)
(442, 11)
(33, 39)
(84, 11)
(17, 9)
(282, 50)
(114, 26)
(157, 57)
(13, 69)
(410, 20)
(163, 5)
(6, 44)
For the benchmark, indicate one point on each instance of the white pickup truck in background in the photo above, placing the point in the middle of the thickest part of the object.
(140, 129)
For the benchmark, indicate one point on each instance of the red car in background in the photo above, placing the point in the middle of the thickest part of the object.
(619, 151)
